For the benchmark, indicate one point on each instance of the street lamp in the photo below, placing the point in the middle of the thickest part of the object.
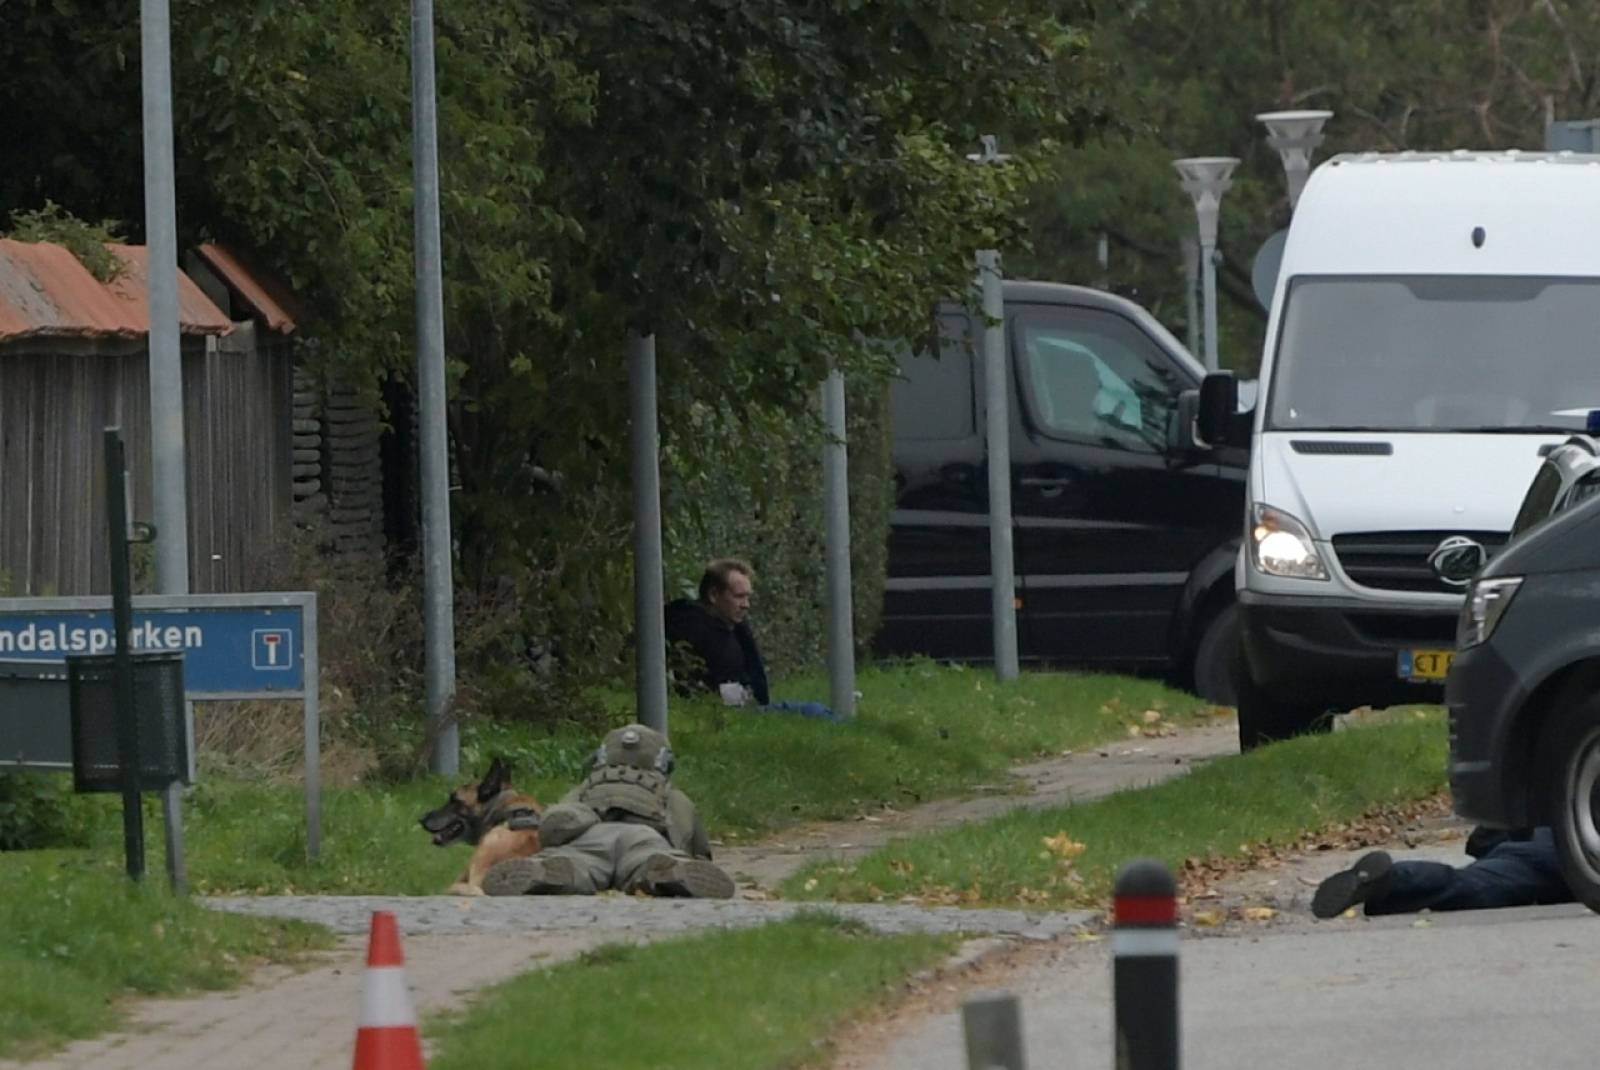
(1205, 179)
(997, 409)
(1296, 135)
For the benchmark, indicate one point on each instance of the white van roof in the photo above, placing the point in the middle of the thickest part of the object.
(1415, 213)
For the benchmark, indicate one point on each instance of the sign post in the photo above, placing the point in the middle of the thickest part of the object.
(235, 646)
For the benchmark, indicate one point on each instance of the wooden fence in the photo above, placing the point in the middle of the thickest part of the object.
(55, 398)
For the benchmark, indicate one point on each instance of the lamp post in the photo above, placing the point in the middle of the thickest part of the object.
(1205, 179)
(1296, 135)
(997, 410)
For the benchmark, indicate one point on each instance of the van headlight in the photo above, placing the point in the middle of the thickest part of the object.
(1280, 545)
(1486, 603)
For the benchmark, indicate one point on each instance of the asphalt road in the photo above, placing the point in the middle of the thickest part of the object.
(1492, 989)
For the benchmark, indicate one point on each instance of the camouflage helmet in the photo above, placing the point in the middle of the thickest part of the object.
(635, 745)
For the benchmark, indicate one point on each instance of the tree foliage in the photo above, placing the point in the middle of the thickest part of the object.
(762, 184)
(1192, 74)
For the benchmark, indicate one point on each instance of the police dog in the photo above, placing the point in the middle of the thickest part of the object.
(498, 820)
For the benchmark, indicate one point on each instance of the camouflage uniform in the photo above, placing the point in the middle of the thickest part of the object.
(624, 827)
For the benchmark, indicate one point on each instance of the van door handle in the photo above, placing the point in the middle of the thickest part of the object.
(1047, 482)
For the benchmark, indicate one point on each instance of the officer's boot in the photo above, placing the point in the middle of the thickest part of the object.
(532, 876)
(693, 878)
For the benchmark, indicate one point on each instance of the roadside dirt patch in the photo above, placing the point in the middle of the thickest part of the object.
(1073, 776)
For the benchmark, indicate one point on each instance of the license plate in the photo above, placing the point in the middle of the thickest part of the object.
(1425, 665)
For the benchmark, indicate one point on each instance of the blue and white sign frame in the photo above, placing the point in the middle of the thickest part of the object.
(235, 646)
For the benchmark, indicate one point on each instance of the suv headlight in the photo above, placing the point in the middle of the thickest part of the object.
(1486, 603)
(1280, 545)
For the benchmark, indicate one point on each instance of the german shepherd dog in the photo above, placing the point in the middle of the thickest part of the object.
(498, 820)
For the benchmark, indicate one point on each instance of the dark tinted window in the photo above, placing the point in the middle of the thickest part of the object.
(1586, 488)
(932, 400)
(1095, 377)
(1540, 499)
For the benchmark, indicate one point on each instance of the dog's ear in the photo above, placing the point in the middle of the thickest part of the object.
(496, 780)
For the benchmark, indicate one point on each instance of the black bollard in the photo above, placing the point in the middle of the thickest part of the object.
(1144, 950)
(993, 1027)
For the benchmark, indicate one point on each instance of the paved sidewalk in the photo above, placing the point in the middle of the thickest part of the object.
(289, 1018)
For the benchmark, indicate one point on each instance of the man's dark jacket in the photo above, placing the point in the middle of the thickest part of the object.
(727, 650)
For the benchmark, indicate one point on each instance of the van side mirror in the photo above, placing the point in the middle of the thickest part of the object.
(1219, 400)
(1181, 437)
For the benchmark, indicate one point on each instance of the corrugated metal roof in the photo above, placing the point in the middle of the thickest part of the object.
(46, 293)
(262, 293)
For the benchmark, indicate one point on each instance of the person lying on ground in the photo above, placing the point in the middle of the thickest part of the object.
(625, 827)
(1509, 873)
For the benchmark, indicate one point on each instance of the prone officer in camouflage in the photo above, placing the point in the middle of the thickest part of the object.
(624, 827)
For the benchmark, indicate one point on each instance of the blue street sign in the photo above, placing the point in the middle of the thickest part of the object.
(226, 651)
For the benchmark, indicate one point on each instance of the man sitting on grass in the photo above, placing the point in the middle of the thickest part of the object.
(715, 635)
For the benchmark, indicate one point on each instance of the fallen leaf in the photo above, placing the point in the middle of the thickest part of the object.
(1063, 845)
(1258, 913)
(1152, 716)
(1207, 919)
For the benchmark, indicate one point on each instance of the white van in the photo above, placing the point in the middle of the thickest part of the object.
(1434, 330)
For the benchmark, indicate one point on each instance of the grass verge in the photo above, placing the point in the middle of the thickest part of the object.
(79, 936)
(1068, 856)
(924, 731)
(718, 1000)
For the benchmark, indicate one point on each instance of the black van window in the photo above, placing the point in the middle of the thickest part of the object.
(932, 399)
(1093, 376)
(1540, 499)
(1586, 488)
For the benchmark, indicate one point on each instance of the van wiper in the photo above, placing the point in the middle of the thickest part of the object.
(1502, 429)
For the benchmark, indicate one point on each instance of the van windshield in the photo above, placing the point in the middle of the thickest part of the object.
(1437, 353)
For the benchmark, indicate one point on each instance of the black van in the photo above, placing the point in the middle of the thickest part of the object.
(1126, 529)
(1524, 685)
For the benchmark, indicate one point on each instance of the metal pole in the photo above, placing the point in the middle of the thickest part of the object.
(1190, 251)
(992, 1025)
(1102, 258)
(1208, 282)
(836, 505)
(166, 359)
(312, 701)
(438, 595)
(650, 627)
(122, 654)
(997, 410)
(170, 508)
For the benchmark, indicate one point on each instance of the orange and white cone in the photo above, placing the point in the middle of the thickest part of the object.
(387, 1037)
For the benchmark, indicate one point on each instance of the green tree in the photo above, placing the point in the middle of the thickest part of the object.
(1192, 74)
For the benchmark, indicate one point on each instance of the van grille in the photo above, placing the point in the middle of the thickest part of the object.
(1398, 560)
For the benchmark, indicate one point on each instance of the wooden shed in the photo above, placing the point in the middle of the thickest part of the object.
(74, 359)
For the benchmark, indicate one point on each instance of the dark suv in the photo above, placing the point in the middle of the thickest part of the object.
(1125, 528)
(1524, 686)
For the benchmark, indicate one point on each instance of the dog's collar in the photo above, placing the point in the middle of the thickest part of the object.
(503, 811)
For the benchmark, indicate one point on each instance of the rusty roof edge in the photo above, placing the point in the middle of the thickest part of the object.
(265, 297)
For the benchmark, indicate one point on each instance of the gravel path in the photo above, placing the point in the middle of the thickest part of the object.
(623, 914)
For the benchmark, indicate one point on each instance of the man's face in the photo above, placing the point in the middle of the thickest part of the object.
(732, 603)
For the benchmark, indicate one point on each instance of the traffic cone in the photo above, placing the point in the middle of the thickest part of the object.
(387, 1037)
